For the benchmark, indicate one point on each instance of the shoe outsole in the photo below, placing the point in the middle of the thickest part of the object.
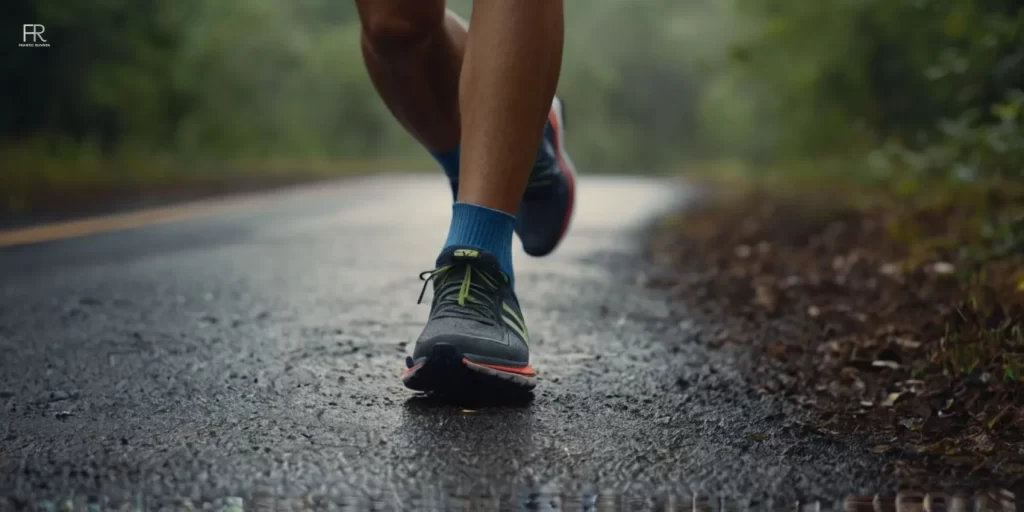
(447, 370)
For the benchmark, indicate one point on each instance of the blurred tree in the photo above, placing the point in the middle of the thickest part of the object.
(933, 78)
(934, 83)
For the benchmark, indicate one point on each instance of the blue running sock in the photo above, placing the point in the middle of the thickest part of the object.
(485, 229)
(449, 161)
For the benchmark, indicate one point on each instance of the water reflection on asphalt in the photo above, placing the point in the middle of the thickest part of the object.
(908, 500)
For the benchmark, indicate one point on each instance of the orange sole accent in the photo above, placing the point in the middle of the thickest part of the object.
(569, 169)
(410, 370)
(527, 370)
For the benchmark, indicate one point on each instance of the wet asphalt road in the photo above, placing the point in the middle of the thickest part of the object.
(255, 354)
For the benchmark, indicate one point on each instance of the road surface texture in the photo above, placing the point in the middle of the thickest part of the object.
(251, 356)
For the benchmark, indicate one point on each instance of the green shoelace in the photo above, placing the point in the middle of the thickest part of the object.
(475, 295)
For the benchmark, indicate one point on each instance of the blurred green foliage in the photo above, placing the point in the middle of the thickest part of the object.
(932, 86)
(929, 86)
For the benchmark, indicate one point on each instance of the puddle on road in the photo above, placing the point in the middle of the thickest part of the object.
(996, 500)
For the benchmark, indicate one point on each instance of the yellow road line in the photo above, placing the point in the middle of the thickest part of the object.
(115, 222)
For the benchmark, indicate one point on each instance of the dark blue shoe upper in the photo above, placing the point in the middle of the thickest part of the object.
(548, 197)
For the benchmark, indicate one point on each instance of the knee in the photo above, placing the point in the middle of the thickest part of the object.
(392, 32)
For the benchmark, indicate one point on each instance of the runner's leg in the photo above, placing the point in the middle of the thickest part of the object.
(476, 327)
(510, 74)
(413, 51)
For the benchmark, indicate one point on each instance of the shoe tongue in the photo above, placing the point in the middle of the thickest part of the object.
(457, 254)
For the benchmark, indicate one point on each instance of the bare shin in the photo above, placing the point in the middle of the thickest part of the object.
(509, 77)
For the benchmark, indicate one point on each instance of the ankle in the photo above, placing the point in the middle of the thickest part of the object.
(449, 161)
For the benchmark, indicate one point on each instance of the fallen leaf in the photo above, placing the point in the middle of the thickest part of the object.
(831, 346)
(764, 297)
(983, 443)
(891, 399)
(838, 262)
(848, 374)
(994, 422)
(892, 365)
(912, 386)
(882, 448)
(890, 269)
(777, 348)
(758, 437)
(943, 447)
(908, 343)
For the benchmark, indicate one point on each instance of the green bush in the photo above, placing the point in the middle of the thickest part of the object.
(930, 86)
(927, 87)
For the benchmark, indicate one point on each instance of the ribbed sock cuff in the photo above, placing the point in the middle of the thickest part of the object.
(485, 229)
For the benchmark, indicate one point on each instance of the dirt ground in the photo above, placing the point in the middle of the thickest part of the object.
(897, 324)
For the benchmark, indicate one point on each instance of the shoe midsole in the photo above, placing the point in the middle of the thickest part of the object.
(481, 360)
